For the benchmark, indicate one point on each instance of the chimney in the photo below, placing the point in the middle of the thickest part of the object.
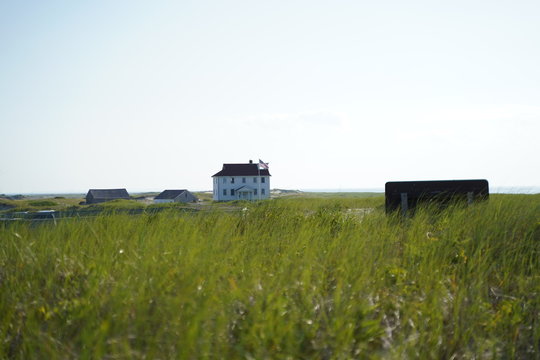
(251, 161)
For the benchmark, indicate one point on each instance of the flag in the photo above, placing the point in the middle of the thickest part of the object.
(263, 165)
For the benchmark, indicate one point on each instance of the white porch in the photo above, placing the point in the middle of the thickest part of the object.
(245, 193)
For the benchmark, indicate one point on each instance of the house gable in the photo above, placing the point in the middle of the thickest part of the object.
(169, 194)
(175, 196)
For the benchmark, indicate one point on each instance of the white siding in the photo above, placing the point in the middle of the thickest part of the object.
(220, 185)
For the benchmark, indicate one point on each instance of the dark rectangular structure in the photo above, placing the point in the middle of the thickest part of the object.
(406, 195)
(95, 196)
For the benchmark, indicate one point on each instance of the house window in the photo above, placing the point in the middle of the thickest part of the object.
(243, 180)
(254, 179)
(232, 180)
(224, 180)
(255, 191)
(232, 192)
(224, 192)
(262, 191)
(263, 180)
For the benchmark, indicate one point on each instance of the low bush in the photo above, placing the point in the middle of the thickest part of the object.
(42, 203)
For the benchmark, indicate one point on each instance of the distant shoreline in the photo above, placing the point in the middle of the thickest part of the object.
(493, 190)
(360, 190)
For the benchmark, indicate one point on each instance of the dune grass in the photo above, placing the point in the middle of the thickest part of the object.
(291, 278)
(58, 203)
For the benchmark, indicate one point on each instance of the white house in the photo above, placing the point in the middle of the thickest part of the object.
(249, 181)
(169, 196)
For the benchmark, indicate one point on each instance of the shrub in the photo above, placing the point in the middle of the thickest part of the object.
(42, 203)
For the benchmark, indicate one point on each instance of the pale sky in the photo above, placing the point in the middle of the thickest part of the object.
(154, 95)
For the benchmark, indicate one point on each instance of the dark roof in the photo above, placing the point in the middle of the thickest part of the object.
(108, 193)
(242, 170)
(169, 194)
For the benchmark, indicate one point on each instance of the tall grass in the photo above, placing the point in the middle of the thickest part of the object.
(291, 278)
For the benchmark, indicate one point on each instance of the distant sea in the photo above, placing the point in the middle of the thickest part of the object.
(375, 190)
(492, 189)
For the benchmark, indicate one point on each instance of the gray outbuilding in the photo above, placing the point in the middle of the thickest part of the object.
(169, 196)
(95, 196)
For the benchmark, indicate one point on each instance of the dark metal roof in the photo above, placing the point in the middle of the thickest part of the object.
(108, 193)
(242, 170)
(169, 194)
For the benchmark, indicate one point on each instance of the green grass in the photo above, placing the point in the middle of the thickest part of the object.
(338, 195)
(6, 204)
(57, 203)
(118, 204)
(299, 278)
(42, 203)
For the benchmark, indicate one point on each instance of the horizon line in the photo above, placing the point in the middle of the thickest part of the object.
(493, 189)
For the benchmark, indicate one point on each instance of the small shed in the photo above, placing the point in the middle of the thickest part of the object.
(169, 196)
(408, 194)
(95, 196)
